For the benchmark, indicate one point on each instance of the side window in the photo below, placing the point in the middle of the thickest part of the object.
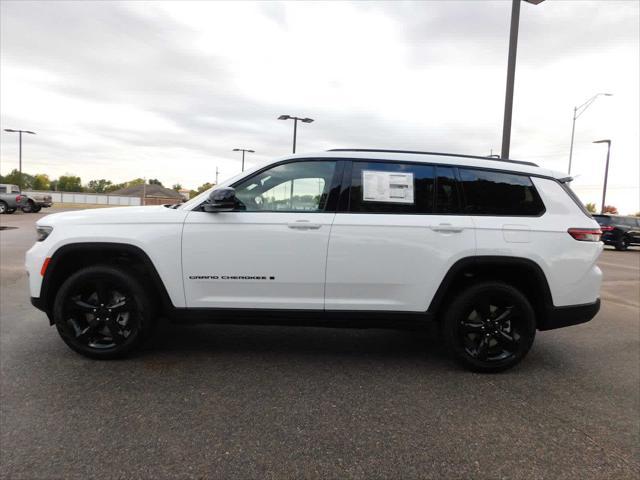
(496, 193)
(447, 200)
(3, 189)
(290, 187)
(378, 187)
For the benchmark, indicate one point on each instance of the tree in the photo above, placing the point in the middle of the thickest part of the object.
(204, 186)
(13, 178)
(155, 181)
(610, 209)
(41, 182)
(98, 186)
(69, 183)
(591, 207)
(177, 187)
(134, 182)
(637, 214)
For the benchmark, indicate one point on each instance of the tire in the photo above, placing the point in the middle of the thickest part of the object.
(84, 308)
(489, 327)
(3, 207)
(36, 208)
(28, 208)
(622, 245)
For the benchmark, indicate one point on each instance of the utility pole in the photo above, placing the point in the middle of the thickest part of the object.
(295, 126)
(19, 132)
(606, 172)
(243, 150)
(577, 111)
(511, 74)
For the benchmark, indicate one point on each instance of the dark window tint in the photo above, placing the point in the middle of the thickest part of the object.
(495, 193)
(412, 194)
(447, 200)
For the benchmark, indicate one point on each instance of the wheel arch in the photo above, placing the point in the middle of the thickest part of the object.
(71, 257)
(522, 273)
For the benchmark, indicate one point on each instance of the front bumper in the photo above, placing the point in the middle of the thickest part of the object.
(558, 317)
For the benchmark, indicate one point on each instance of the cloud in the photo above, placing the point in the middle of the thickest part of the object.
(167, 89)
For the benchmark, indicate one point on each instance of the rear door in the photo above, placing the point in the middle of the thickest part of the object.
(397, 232)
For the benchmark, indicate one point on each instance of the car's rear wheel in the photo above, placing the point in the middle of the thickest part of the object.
(489, 327)
(3, 207)
(623, 244)
(102, 312)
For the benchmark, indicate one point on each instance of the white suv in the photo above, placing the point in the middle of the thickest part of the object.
(492, 250)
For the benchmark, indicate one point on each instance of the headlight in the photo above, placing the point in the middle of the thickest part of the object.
(43, 233)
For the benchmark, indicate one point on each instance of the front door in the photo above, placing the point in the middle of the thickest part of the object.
(269, 253)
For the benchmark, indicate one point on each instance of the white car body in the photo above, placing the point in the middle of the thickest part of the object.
(335, 261)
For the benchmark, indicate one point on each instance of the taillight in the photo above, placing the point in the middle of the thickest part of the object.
(18, 198)
(585, 234)
(606, 228)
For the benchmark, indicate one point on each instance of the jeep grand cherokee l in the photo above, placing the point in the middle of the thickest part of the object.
(491, 250)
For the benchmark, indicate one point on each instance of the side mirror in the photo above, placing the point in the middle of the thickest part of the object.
(222, 200)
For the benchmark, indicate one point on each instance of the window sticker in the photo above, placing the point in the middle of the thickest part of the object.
(391, 187)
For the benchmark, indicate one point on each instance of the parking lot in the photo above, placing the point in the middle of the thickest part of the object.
(274, 402)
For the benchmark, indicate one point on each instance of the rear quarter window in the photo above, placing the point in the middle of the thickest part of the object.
(499, 193)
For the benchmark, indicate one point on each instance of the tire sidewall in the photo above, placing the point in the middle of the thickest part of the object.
(118, 277)
(459, 307)
(3, 207)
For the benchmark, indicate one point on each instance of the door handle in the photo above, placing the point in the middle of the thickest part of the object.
(304, 225)
(446, 228)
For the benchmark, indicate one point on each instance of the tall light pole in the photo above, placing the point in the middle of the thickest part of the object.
(577, 111)
(295, 125)
(19, 132)
(606, 172)
(243, 150)
(511, 74)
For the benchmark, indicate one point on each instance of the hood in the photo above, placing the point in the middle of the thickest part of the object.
(116, 215)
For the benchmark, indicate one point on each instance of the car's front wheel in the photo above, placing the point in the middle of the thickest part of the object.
(102, 312)
(28, 208)
(489, 327)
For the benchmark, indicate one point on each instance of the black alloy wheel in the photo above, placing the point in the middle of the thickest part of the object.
(490, 327)
(101, 312)
(622, 245)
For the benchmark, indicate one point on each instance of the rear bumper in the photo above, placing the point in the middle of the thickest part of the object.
(558, 317)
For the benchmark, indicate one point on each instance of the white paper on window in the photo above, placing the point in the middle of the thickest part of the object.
(387, 187)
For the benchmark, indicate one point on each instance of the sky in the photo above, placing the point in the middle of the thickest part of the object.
(166, 90)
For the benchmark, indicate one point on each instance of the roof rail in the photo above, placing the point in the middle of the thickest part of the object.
(375, 150)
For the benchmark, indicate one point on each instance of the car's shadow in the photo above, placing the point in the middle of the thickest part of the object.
(219, 340)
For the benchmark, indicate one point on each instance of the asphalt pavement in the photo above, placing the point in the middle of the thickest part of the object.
(248, 402)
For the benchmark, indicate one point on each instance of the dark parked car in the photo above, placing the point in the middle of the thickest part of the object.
(619, 231)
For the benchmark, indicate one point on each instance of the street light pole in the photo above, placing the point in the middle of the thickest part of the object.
(582, 108)
(511, 74)
(243, 150)
(295, 125)
(606, 172)
(19, 132)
